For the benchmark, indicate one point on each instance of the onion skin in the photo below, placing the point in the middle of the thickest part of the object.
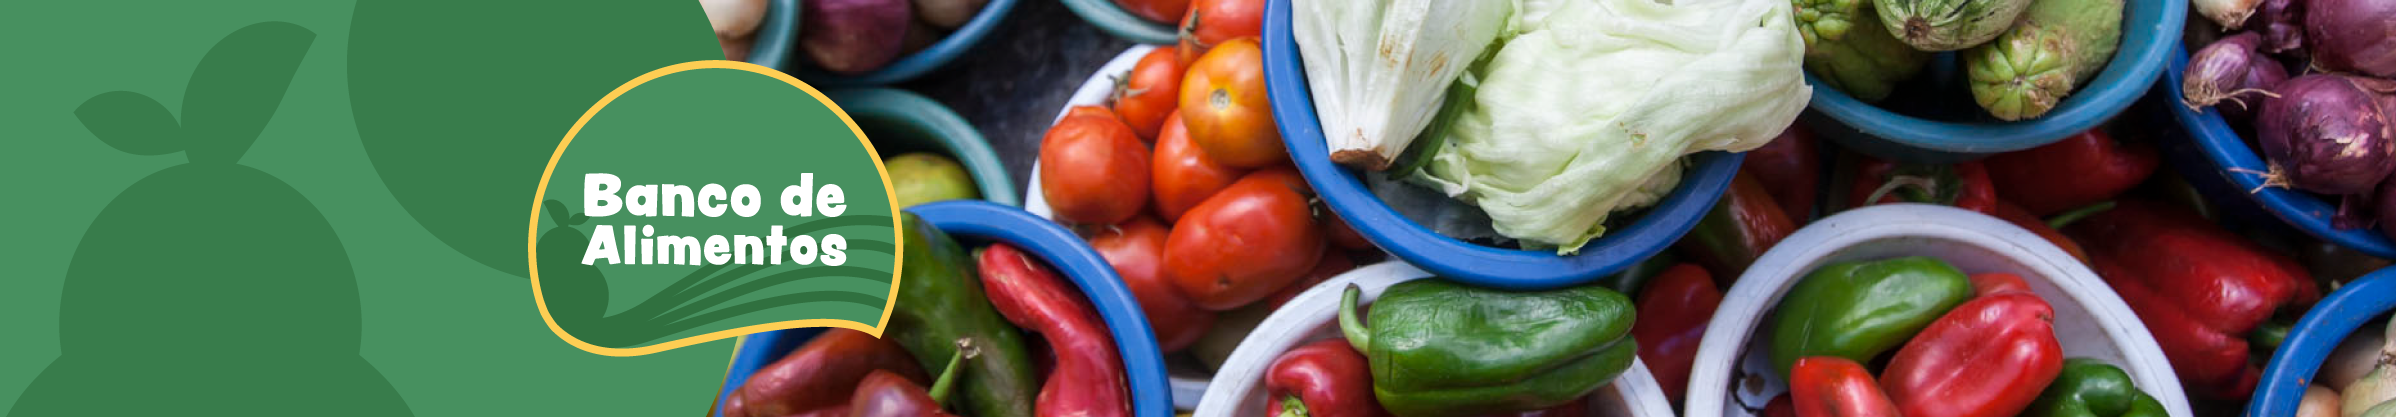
(2318, 402)
(2231, 70)
(2327, 134)
(2230, 14)
(2352, 35)
(2282, 24)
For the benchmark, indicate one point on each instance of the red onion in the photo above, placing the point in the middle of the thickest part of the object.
(2282, 24)
(2328, 133)
(2352, 35)
(2231, 70)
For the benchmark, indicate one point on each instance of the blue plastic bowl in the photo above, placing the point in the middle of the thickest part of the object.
(2239, 164)
(777, 36)
(916, 64)
(910, 122)
(975, 222)
(1293, 107)
(2314, 336)
(1115, 21)
(1895, 136)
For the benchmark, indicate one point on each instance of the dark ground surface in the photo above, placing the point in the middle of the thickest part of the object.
(1012, 84)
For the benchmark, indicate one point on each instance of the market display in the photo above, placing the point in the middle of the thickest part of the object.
(2308, 83)
(2021, 57)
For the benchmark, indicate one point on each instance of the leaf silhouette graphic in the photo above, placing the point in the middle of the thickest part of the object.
(131, 122)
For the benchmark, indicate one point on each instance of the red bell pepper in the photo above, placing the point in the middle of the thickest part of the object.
(1673, 312)
(1986, 358)
(1985, 284)
(1963, 185)
(1831, 386)
(2011, 213)
(1781, 406)
(1088, 380)
(886, 394)
(2200, 289)
(2080, 170)
(820, 375)
(1743, 224)
(1791, 167)
(1326, 378)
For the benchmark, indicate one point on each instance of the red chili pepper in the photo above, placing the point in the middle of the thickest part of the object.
(1989, 357)
(1830, 386)
(1673, 311)
(1781, 406)
(1741, 227)
(2080, 170)
(1088, 379)
(1963, 185)
(886, 394)
(1986, 284)
(1791, 167)
(1326, 378)
(2200, 289)
(2015, 214)
(819, 375)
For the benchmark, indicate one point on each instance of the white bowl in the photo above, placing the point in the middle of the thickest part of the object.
(1314, 315)
(2090, 320)
(1187, 384)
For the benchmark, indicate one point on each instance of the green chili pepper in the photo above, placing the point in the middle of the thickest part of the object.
(1856, 310)
(2091, 388)
(940, 301)
(1440, 349)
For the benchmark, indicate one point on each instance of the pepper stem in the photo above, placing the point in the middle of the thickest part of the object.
(1358, 336)
(2068, 217)
(948, 376)
(1292, 407)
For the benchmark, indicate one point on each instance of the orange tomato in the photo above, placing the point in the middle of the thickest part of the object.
(1213, 22)
(1223, 103)
(1150, 91)
(1089, 162)
(1184, 175)
(1160, 11)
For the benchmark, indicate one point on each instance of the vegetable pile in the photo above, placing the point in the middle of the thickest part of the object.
(2359, 379)
(969, 316)
(1548, 116)
(2022, 57)
(2309, 82)
(846, 36)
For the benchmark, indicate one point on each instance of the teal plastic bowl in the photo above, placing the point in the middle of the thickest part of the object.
(907, 67)
(776, 37)
(2150, 31)
(1115, 21)
(898, 122)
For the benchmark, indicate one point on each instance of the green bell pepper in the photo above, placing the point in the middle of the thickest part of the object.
(1857, 310)
(2091, 388)
(940, 301)
(1438, 348)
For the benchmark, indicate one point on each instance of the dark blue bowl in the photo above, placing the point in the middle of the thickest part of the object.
(2149, 30)
(778, 37)
(2319, 332)
(916, 64)
(1708, 174)
(2237, 162)
(981, 221)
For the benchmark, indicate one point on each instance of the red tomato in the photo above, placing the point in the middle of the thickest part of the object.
(1088, 162)
(1245, 242)
(1223, 103)
(1332, 264)
(1213, 22)
(1337, 229)
(1160, 11)
(1137, 251)
(1150, 91)
(1184, 175)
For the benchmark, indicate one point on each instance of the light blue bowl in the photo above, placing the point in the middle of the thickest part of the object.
(2150, 29)
(1709, 173)
(2314, 336)
(2237, 162)
(1115, 21)
(976, 222)
(932, 58)
(909, 122)
(777, 36)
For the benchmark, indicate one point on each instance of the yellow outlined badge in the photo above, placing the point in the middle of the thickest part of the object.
(533, 230)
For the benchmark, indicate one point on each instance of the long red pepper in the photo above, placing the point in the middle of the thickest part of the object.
(1673, 312)
(1986, 358)
(1326, 378)
(2075, 172)
(1830, 386)
(2197, 287)
(820, 375)
(1088, 380)
(1791, 167)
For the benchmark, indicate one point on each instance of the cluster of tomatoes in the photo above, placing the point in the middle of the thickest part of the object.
(1193, 147)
